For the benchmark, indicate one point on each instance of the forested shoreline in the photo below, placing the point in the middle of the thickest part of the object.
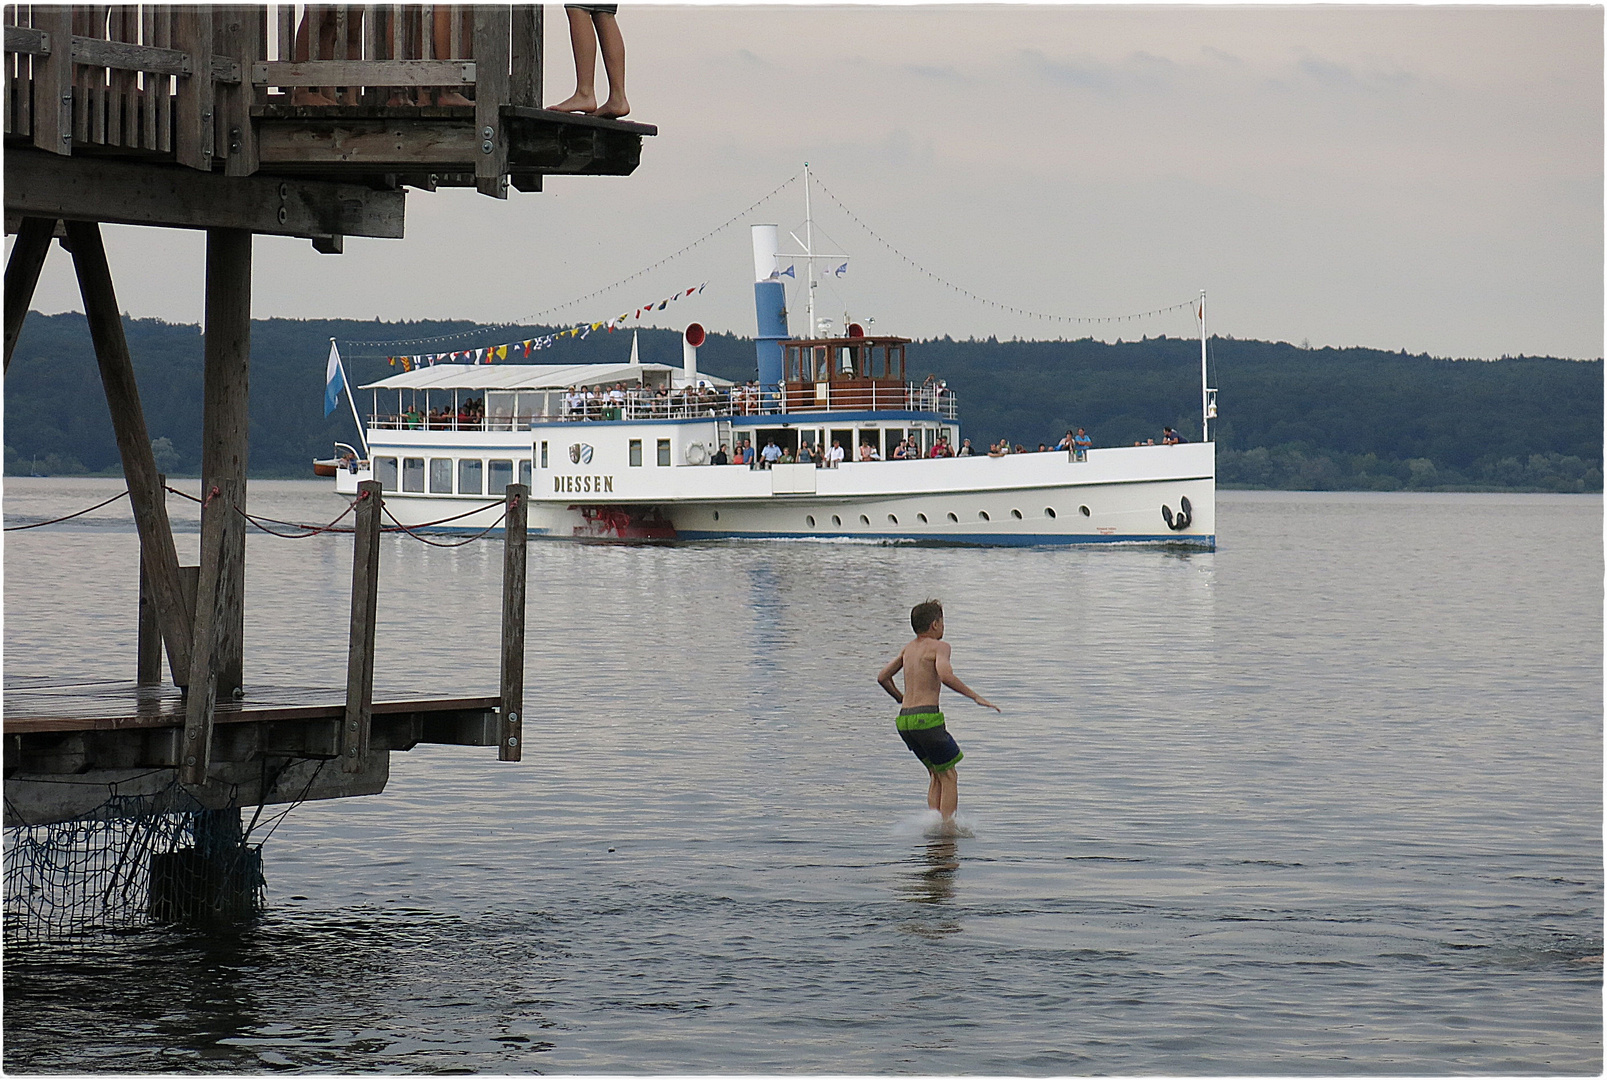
(1291, 417)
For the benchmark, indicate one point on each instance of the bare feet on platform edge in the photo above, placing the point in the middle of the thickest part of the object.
(578, 103)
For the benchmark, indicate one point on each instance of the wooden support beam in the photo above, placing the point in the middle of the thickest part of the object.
(492, 30)
(137, 193)
(358, 721)
(236, 28)
(525, 62)
(194, 110)
(22, 274)
(225, 424)
(53, 81)
(511, 746)
(387, 145)
(133, 438)
(148, 657)
(211, 616)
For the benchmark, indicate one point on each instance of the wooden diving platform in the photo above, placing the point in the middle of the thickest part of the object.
(68, 742)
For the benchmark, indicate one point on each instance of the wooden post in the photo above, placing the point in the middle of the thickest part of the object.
(525, 87)
(193, 113)
(53, 81)
(510, 747)
(218, 522)
(491, 32)
(239, 32)
(133, 439)
(148, 665)
(225, 423)
(22, 274)
(352, 745)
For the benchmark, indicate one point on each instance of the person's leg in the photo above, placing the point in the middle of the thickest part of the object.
(446, 95)
(583, 42)
(612, 44)
(312, 22)
(948, 782)
(933, 789)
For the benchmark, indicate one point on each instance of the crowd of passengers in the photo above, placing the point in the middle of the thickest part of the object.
(470, 413)
(704, 399)
(1076, 442)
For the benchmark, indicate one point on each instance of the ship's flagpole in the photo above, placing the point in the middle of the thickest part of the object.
(346, 384)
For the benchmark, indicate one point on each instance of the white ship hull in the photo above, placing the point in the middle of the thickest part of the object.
(1113, 495)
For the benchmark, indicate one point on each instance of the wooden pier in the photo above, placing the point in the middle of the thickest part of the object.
(308, 121)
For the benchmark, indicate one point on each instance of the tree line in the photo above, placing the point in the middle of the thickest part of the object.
(1290, 417)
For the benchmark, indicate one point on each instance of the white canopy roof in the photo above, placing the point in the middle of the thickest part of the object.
(527, 376)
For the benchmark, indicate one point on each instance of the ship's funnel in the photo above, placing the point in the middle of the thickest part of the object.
(770, 304)
(689, 342)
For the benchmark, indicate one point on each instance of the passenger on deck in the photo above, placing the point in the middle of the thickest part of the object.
(867, 452)
(998, 449)
(1170, 437)
(1082, 443)
(1043, 448)
(786, 457)
(834, 456)
(965, 449)
(770, 454)
(806, 454)
(1065, 441)
(720, 457)
(901, 452)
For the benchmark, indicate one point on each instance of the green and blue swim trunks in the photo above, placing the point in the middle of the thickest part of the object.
(921, 728)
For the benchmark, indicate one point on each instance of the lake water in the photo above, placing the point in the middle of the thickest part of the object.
(1325, 801)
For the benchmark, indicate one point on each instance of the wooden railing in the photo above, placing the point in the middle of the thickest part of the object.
(188, 80)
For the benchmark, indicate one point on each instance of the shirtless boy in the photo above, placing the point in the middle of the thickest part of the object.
(920, 723)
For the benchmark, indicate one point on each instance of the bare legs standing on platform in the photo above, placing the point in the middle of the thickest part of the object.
(591, 29)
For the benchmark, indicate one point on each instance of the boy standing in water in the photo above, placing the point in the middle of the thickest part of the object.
(920, 723)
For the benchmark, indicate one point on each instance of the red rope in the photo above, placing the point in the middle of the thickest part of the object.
(69, 517)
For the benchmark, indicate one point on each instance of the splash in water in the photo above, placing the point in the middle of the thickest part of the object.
(930, 823)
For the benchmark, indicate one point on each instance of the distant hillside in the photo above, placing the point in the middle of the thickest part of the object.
(1291, 417)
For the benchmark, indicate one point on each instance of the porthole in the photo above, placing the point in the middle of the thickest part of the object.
(921, 518)
(716, 515)
(836, 521)
(983, 514)
(1048, 511)
(811, 519)
(1084, 511)
(892, 519)
(1016, 514)
(954, 518)
(863, 520)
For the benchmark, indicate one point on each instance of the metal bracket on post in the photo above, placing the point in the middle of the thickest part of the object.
(352, 741)
(510, 747)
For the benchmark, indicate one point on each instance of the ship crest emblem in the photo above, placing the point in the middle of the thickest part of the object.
(580, 453)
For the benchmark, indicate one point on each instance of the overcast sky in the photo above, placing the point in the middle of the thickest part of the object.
(1426, 178)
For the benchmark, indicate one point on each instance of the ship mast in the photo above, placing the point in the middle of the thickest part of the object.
(809, 250)
(1207, 394)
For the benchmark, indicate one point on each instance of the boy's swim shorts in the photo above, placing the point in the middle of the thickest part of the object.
(921, 728)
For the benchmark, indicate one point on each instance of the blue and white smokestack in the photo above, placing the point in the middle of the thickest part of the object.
(770, 302)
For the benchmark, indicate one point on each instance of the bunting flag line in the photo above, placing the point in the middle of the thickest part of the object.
(522, 349)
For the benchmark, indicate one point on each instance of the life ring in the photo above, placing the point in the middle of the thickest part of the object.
(697, 454)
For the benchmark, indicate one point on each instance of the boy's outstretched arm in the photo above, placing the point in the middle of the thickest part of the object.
(945, 671)
(886, 677)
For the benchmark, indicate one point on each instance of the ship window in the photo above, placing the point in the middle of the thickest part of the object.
(470, 472)
(1015, 514)
(499, 410)
(636, 452)
(837, 521)
(863, 520)
(498, 475)
(385, 472)
(441, 476)
(1084, 511)
(983, 514)
(811, 519)
(1048, 511)
(716, 515)
(663, 451)
(412, 474)
(543, 455)
(524, 473)
(892, 519)
(921, 518)
(892, 436)
(954, 518)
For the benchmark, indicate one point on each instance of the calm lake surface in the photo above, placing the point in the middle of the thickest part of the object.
(1325, 801)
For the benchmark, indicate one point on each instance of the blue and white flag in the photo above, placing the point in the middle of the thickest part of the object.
(334, 380)
(841, 270)
(787, 273)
